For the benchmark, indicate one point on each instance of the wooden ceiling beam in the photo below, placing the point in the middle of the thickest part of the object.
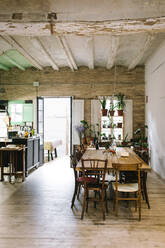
(113, 52)
(63, 43)
(90, 47)
(140, 54)
(47, 54)
(21, 50)
(42, 28)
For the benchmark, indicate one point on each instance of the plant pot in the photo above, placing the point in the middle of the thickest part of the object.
(120, 112)
(119, 124)
(111, 112)
(124, 143)
(104, 112)
(84, 141)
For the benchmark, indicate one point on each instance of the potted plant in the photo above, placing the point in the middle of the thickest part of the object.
(141, 139)
(120, 103)
(103, 136)
(112, 109)
(104, 124)
(103, 105)
(125, 140)
(119, 124)
(113, 125)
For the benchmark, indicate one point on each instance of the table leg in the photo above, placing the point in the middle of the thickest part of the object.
(1, 164)
(2, 170)
(23, 165)
(145, 188)
(51, 155)
(55, 152)
(48, 156)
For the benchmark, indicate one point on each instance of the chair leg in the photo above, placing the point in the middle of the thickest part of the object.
(87, 195)
(78, 193)
(116, 203)
(95, 197)
(84, 202)
(106, 202)
(139, 197)
(102, 200)
(136, 202)
(74, 195)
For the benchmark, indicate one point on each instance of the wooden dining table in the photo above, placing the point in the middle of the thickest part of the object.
(122, 155)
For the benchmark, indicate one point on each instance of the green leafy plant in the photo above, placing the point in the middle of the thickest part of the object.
(140, 138)
(103, 102)
(125, 138)
(120, 101)
(112, 107)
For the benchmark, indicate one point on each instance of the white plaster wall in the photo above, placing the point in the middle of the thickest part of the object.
(155, 108)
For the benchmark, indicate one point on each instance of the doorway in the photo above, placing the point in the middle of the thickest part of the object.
(57, 125)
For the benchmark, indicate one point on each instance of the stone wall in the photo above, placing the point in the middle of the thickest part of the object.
(82, 84)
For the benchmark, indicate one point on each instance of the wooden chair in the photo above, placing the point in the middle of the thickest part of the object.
(77, 177)
(97, 169)
(133, 188)
(144, 155)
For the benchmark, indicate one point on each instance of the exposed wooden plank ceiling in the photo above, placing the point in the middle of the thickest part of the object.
(65, 34)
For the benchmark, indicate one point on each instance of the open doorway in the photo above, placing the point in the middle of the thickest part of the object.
(57, 119)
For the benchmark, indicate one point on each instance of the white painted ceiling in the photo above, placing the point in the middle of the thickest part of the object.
(88, 33)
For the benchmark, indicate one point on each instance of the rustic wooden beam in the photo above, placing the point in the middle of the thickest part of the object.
(90, 52)
(21, 50)
(113, 51)
(62, 41)
(140, 54)
(3, 67)
(153, 25)
(47, 54)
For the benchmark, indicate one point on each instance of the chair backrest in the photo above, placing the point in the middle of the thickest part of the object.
(95, 168)
(127, 167)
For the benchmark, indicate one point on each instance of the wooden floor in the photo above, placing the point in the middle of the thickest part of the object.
(37, 213)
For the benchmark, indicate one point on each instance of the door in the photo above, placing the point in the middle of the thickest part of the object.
(77, 116)
(40, 126)
(71, 147)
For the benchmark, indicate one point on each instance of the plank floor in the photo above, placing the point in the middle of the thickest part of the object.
(37, 213)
